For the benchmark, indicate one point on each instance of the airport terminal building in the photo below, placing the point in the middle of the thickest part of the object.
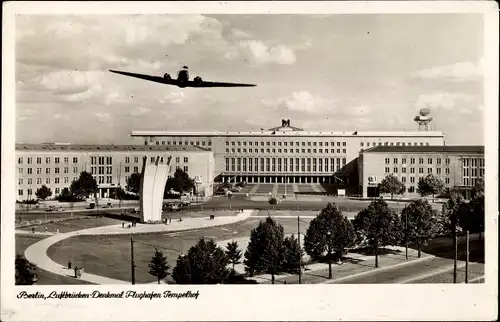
(457, 166)
(287, 154)
(57, 165)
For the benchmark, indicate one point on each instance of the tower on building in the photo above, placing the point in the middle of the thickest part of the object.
(423, 119)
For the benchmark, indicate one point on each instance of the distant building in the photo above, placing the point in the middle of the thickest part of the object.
(287, 153)
(457, 166)
(57, 165)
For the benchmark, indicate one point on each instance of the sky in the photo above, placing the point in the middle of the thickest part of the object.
(366, 72)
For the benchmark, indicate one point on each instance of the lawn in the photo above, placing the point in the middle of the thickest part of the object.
(75, 224)
(44, 277)
(110, 255)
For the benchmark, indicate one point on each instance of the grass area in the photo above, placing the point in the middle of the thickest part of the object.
(76, 224)
(110, 255)
(44, 277)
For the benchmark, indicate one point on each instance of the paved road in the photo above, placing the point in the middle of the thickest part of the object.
(432, 270)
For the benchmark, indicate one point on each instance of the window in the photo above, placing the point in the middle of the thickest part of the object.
(66, 179)
(447, 161)
(56, 160)
(429, 170)
(429, 161)
(56, 170)
(38, 180)
(177, 159)
(30, 171)
(412, 179)
(38, 170)
(38, 160)
(438, 161)
(66, 159)
(395, 170)
(56, 180)
(136, 159)
(343, 150)
(387, 160)
(420, 160)
(20, 161)
(75, 169)
(344, 144)
(412, 170)
(403, 160)
(186, 159)
(47, 170)
(30, 192)
(411, 189)
(47, 160)
(30, 160)
(447, 171)
(403, 170)
(387, 169)
(395, 160)
(30, 180)
(136, 169)
(66, 169)
(20, 181)
(438, 171)
(447, 180)
(75, 160)
(47, 180)
(403, 179)
(412, 160)
(420, 170)
(20, 192)
(152, 159)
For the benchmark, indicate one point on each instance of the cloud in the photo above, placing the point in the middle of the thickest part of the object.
(442, 101)
(263, 54)
(238, 33)
(174, 97)
(103, 117)
(140, 110)
(462, 71)
(301, 101)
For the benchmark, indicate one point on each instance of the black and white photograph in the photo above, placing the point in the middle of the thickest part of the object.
(181, 152)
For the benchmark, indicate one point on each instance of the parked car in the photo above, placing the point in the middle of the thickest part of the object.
(185, 203)
(108, 205)
(50, 209)
(235, 189)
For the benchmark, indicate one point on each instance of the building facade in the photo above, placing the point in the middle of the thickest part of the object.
(288, 154)
(57, 165)
(456, 166)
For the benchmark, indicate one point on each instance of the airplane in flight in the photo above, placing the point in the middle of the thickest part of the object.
(182, 79)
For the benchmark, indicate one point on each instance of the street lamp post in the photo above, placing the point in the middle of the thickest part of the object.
(329, 258)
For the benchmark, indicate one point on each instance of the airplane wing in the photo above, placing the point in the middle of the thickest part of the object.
(156, 79)
(217, 84)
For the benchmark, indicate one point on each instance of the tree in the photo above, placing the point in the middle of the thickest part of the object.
(264, 253)
(392, 185)
(331, 233)
(477, 211)
(180, 182)
(25, 271)
(273, 201)
(233, 253)
(430, 185)
(380, 225)
(422, 220)
(205, 263)
(292, 255)
(158, 266)
(134, 182)
(83, 187)
(478, 189)
(43, 192)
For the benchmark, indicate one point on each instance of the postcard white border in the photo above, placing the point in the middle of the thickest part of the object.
(263, 302)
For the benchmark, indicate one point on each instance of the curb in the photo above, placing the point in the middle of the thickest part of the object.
(380, 269)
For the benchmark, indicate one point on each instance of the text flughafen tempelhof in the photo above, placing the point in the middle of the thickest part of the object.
(103, 295)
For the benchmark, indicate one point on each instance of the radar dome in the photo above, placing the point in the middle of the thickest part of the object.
(425, 111)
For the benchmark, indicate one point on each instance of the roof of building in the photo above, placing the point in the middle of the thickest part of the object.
(291, 133)
(111, 147)
(476, 149)
(286, 129)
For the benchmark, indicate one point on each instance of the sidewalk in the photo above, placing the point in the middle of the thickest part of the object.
(37, 252)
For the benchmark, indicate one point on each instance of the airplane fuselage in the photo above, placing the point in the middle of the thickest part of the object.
(183, 78)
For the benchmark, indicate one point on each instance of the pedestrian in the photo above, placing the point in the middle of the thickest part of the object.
(45, 229)
(33, 230)
(123, 225)
(57, 231)
(69, 265)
